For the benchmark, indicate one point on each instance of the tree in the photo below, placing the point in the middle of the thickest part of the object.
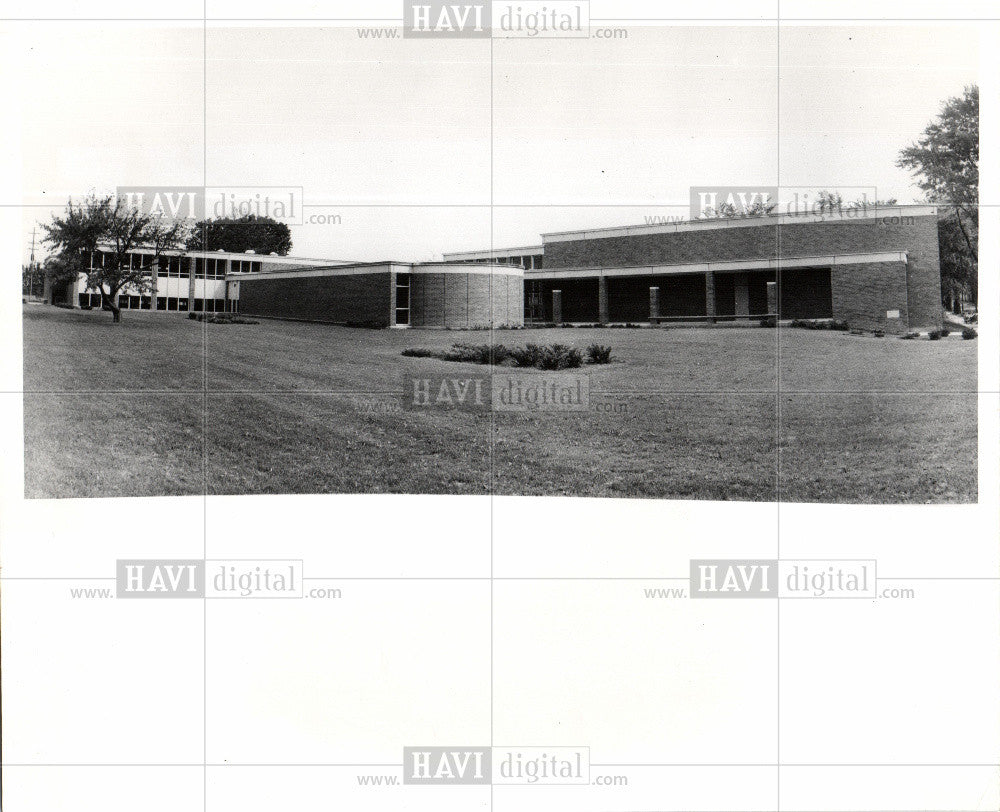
(32, 279)
(945, 161)
(756, 209)
(262, 235)
(116, 228)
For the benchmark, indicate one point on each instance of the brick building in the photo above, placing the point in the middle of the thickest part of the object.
(875, 269)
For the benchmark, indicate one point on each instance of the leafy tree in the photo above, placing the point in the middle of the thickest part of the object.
(262, 235)
(756, 209)
(117, 229)
(32, 279)
(945, 161)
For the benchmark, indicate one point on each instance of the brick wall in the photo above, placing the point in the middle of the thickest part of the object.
(863, 293)
(465, 300)
(344, 299)
(918, 239)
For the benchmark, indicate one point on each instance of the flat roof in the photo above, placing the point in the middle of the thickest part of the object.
(278, 258)
(487, 253)
(709, 223)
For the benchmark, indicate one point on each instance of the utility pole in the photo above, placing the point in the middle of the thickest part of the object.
(31, 266)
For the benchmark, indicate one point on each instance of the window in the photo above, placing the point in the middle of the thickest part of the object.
(134, 302)
(95, 299)
(182, 304)
(123, 303)
(220, 305)
(145, 301)
(245, 266)
(84, 300)
(402, 298)
(161, 302)
(210, 268)
(171, 303)
(198, 305)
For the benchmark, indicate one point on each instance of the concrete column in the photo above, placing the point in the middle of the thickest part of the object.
(710, 296)
(153, 284)
(557, 306)
(741, 286)
(772, 298)
(190, 266)
(602, 300)
(654, 303)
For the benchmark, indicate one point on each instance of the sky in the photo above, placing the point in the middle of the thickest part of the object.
(396, 137)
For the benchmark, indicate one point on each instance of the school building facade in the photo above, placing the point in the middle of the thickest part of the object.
(876, 269)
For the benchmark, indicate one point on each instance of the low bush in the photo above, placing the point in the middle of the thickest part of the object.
(945, 332)
(597, 354)
(221, 318)
(553, 357)
(559, 356)
(478, 353)
(769, 321)
(934, 335)
(820, 324)
(909, 336)
(526, 356)
(879, 334)
(968, 333)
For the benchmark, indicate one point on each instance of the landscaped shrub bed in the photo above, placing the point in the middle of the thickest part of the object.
(547, 357)
(221, 318)
(820, 324)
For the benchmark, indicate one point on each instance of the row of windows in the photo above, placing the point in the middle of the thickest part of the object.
(528, 262)
(210, 268)
(179, 267)
(162, 303)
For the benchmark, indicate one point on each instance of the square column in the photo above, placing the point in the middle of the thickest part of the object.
(602, 300)
(741, 289)
(772, 298)
(710, 296)
(654, 303)
(557, 306)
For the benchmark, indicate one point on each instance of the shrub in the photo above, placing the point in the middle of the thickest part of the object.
(969, 333)
(945, 332)
(526, 356)
(934, 335)
(477, 353)
(769, 321)
(556, 356)
(221, 318)
(559, 356)
(880, 334)
(837, 324)
(910, 335)
(597, 354)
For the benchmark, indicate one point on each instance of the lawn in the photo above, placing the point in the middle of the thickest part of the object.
(160, 404)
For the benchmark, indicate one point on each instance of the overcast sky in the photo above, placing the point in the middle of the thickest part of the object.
(585, 132)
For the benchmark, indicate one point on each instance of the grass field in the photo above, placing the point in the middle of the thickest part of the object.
(163, 405)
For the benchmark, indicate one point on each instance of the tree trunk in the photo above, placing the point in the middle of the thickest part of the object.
(109, 302)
